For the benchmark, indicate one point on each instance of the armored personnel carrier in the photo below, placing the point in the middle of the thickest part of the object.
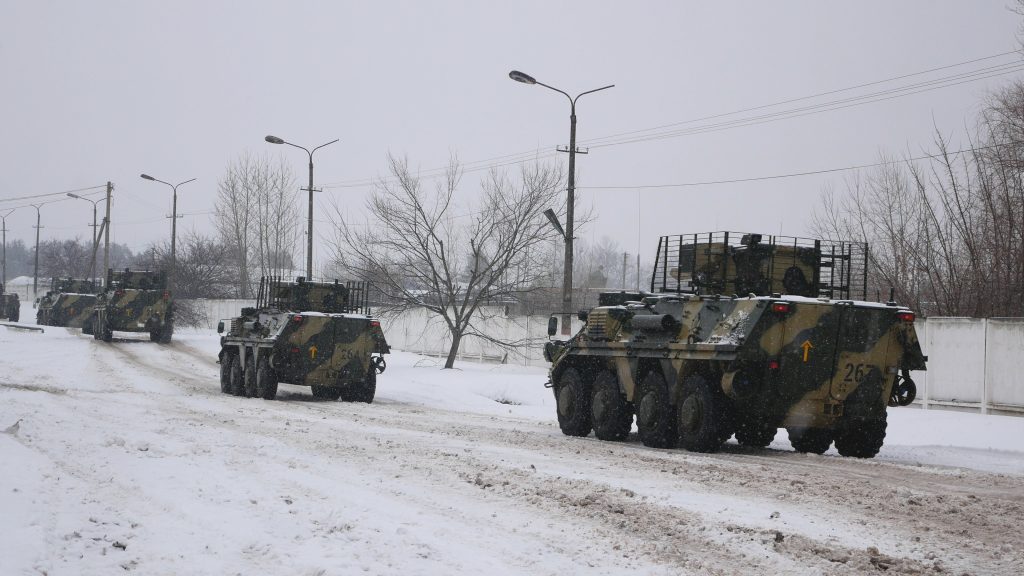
(315, 334)
(740, 334)
(69, 302)
(10, 306)
(133, 301)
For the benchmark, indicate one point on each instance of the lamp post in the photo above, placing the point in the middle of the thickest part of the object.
(571, 199)
(174, 221)
(92, 269)
(309, 231)
(3, 220)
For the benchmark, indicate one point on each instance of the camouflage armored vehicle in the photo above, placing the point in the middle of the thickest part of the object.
(10, 306)
(133, 301)
(740, 334)
(306, 333)
(69, 302)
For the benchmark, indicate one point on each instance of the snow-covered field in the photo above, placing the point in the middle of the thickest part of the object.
(128, 459)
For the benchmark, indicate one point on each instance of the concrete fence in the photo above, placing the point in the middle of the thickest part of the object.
(973, 364)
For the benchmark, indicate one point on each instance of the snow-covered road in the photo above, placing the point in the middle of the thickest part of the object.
(128, 458)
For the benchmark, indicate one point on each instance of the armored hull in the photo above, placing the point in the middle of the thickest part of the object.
(697, 368)
(308, 334)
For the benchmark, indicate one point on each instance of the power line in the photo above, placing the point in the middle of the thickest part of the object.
(618, 139)
(62, 193)
(799, 99)
(797, 174)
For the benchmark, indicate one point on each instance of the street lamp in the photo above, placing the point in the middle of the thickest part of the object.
(174, 222)
(309, 231)
(3, 219)
(571, 200)
(95, 240)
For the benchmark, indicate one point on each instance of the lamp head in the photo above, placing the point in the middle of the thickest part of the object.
(73, 195)
(147, 177)
(274, 139)
(522, 77)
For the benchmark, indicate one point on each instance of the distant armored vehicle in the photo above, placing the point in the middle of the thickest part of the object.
(69, 302)
(741, 334)
(10, 306)
(133, 301)
(306, 333)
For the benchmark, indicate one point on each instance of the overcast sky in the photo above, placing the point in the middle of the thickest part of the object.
(104, 90)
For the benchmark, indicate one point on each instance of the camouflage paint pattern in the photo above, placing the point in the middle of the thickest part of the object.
(65, 309)
(307, 346)
(133, 301)
(799, 365)
(133, 310)
(10, 306)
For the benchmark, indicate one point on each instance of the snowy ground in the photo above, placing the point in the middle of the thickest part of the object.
(128, 459)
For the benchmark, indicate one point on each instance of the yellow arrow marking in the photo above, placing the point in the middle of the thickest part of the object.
(807, 348)
(312, 352)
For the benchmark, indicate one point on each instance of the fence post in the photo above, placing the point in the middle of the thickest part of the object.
(927, 385)
(984, 371)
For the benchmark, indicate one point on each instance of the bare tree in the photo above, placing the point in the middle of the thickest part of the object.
(64, 259)
(203, 271)
(947, 232)
(423, 251)
(257, 216)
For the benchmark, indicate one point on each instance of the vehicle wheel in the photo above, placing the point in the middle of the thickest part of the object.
(15, 312)
(266, 380)
(755, 434)
(249, 375)
(367, 388)
(702, 411)
(326, 392)
(226, 360)
(609, 412)
(813, 440)
(573, 401)
(655, 416)
(97, 332)
(235, 379)
(861, 438)
(87, 326)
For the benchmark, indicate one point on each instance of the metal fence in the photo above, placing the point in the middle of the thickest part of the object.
(973, 363)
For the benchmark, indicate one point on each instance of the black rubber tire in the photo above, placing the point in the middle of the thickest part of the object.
(573, 401)
(249, 375)
(97, 332)
(810, 440)
(326, 392)
(364, 391)
(225, 372)
(755, 434)
(656, 420)
(861, 438)
(701, 412)
(235, 376)
(610, 414)
(266, 380)
(87, 326)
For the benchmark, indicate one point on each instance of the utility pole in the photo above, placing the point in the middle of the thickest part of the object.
(106, 234)
(3, 219)
(35, 274)
(625, 264)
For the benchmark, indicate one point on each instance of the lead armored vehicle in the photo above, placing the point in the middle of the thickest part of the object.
(315, 334)
(740, 334)
(10, 306)
(133, 301)
(69, 302)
